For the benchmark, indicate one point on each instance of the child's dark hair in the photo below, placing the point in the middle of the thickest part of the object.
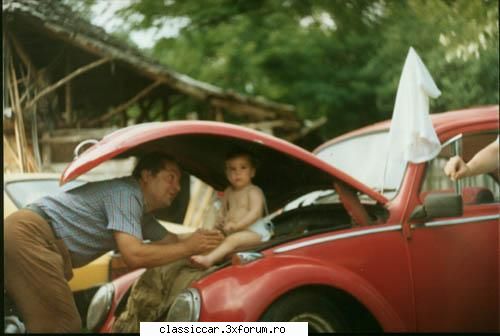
(235, 152)
(154, 162)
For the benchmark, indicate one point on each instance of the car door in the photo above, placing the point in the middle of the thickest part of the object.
(456, 260)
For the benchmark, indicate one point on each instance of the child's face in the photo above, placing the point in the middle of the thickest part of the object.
(239, 171)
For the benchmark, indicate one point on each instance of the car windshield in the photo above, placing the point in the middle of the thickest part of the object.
(365, 158)
(24, 192)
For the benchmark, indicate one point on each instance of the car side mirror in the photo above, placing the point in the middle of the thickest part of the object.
(438, 205)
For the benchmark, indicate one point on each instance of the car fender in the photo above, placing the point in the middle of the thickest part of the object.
(121, 287)
(245, 292)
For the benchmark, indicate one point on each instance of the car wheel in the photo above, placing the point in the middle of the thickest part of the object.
(307, 306)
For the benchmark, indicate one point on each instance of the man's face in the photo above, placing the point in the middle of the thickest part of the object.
(160, 189)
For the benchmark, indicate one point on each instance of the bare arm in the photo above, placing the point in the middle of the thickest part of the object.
(221, 215)
(485, 161)
(168, 239)
(137, 254)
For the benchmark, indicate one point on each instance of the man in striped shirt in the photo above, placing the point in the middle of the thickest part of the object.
(44, 241)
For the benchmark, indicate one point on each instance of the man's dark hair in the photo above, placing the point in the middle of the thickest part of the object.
(235, 152)
(154, 162)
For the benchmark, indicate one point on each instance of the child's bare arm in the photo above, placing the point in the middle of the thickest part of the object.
(222, 213)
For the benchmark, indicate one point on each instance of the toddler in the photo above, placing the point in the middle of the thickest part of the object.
(243, 203)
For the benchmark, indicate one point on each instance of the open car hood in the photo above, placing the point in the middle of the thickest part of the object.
(284, 170)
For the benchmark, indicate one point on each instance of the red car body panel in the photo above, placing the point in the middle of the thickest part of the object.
(408, 276)
(347, 268)
(464, 271)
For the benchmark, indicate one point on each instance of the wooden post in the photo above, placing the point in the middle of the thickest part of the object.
(11, 150)
(205, 200)
(219, 116)
(30, 161)
(30, 80)
(21, 52)
(18, 115)
(191, 206)
(68, 113)
(165, 102)
(23, 55)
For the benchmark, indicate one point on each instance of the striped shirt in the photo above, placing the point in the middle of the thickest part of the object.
(85, 217)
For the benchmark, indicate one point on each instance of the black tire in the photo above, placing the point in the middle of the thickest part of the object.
(310, 306)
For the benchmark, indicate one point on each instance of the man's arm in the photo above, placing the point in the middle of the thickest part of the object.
(137, 254)
(168, 239)
(485, 161)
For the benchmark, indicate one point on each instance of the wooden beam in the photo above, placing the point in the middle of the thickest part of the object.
(125, 105)
(23, 55)
(32, 70)
(25, 155)
(18, 116)
(201, 206)
(68, 111)
(219, 115)
(30, 161)
(29, 156)
(64, 80)
(193, 200)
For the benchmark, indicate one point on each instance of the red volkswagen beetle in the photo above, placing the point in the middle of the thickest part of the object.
(352, 251)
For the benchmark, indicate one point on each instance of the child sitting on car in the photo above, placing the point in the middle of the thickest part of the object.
(242, 205)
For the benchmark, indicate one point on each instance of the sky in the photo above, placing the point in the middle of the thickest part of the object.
(104, 16)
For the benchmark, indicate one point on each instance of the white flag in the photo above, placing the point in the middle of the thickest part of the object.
(412, 137)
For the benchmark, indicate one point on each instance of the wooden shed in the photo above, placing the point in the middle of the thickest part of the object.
(66, 79)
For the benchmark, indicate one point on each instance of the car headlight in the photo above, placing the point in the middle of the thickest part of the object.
(186, 307)
(99, 306)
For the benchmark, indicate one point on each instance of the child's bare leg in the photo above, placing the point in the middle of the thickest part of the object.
(233, 241)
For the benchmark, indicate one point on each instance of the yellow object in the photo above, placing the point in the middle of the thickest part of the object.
(92, 274)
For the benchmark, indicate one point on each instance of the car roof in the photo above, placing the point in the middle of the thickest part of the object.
(442, 122)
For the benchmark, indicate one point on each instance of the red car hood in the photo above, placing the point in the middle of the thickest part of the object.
(284, 170)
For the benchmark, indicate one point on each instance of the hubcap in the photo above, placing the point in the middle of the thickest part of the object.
(316, 323)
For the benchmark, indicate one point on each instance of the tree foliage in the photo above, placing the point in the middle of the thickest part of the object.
(336, 58)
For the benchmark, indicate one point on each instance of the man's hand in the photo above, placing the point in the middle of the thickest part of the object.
(456, 168)
(203, 241)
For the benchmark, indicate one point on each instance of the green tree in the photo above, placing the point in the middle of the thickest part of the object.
(336, 58)
(458, 42)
